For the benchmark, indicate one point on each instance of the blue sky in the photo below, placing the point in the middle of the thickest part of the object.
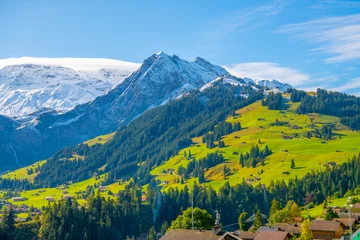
(306, 43)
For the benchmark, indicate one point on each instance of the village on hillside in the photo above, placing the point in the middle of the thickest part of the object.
(337, 223)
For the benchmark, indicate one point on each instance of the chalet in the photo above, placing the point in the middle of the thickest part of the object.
(281, 226)
(347, 222)
(165, 182)
(272, 236)
(267, 229)
(170, 170)
(185, 234)
(257, 179)
(294, 230)
(353, 215)
(49, 199)
(102, 188)
(65, 197)
(249, 180)
(286, 173)
(18, 199)
(247, 235)
(337, 209)
(24, 206)
(327, 229)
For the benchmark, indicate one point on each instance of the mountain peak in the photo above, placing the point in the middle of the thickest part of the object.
(161, 54)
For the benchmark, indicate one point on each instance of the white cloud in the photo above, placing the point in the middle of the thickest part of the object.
(268, 70)
(339, 37)
(74, 63)
(352, 84)
(247, 18)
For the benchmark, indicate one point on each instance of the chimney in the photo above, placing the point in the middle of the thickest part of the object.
(216, 229)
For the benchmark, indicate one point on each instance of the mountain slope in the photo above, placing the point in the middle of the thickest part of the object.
(159, 79)
(27, 88)
(288, 140)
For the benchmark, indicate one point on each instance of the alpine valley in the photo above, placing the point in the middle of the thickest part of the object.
(129, 155)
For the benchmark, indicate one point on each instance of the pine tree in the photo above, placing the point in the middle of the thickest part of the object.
(258, 221)
(201, 176)
(242, 222)
(242, 160)
(292, 164)
(152, 234)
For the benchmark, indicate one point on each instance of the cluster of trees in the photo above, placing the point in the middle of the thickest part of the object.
(254, 157)
(101, 219)
(273, 101)
(289, 214)
(150, 142)
(128, 216)
(338, 104)
(297, 95)
(279, 123)
(202, 220)
(324, 133)
(223, 128)
(15, 184)
(197, 168)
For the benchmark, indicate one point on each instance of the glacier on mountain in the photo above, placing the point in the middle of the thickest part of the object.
(27, 88)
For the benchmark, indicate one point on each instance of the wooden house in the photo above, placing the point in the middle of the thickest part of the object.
(327, 229)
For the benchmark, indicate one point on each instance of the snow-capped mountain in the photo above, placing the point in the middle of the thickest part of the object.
(159, 79)
(269, 84)
(27, 88)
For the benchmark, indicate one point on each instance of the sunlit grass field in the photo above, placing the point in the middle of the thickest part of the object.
(308, 153)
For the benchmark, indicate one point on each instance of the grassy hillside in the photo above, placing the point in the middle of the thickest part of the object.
(287, 143)
(24, 173)
(100, 139)
(37, 197)
(318, 210)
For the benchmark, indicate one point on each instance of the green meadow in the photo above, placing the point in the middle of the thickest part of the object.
(308, 153)
(36, 197)
(257, 129)
(318, 210)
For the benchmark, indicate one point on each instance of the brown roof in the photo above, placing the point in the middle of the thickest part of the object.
(281, 226)
(247, 235)
(184, 234)
(345, 221)
(293, 229)
(357, 205)
(271, 236)
(320, 225)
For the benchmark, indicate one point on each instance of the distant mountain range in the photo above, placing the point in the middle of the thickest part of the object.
(159, 79)
(27, 88)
